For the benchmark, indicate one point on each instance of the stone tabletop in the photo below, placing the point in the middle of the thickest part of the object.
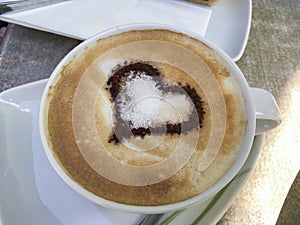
(271, 61)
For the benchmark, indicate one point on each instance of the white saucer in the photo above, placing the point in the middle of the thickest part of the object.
(32, 193)
(229, 26)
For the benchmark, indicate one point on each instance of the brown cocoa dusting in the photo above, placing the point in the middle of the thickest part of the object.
(122, 129)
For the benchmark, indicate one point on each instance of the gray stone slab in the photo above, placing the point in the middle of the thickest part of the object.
(28, 55)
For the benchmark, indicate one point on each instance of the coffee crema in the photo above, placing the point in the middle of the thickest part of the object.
(146, 117)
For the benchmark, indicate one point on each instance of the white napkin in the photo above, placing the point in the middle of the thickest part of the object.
(82, 19)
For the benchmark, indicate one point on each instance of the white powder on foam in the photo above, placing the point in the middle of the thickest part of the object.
(145, 105)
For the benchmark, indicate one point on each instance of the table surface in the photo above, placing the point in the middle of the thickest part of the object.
(271, 61)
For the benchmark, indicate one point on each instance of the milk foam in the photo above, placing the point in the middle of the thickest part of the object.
(107, 66)
(189, 180)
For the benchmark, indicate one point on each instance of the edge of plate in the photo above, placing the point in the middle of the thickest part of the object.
(226, 197)
(238, 56)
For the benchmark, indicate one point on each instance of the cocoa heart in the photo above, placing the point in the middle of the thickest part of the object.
(144, 103)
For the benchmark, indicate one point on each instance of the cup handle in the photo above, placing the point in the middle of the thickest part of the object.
(267, 111)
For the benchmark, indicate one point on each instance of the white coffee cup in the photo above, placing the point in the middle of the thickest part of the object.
(262, 110)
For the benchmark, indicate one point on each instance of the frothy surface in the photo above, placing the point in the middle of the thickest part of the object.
(100, 62)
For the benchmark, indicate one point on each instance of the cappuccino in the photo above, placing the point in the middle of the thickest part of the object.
(146, 117)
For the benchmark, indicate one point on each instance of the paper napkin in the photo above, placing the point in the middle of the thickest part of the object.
(82, 19)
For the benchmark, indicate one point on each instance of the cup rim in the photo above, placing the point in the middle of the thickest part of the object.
(248, 140)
